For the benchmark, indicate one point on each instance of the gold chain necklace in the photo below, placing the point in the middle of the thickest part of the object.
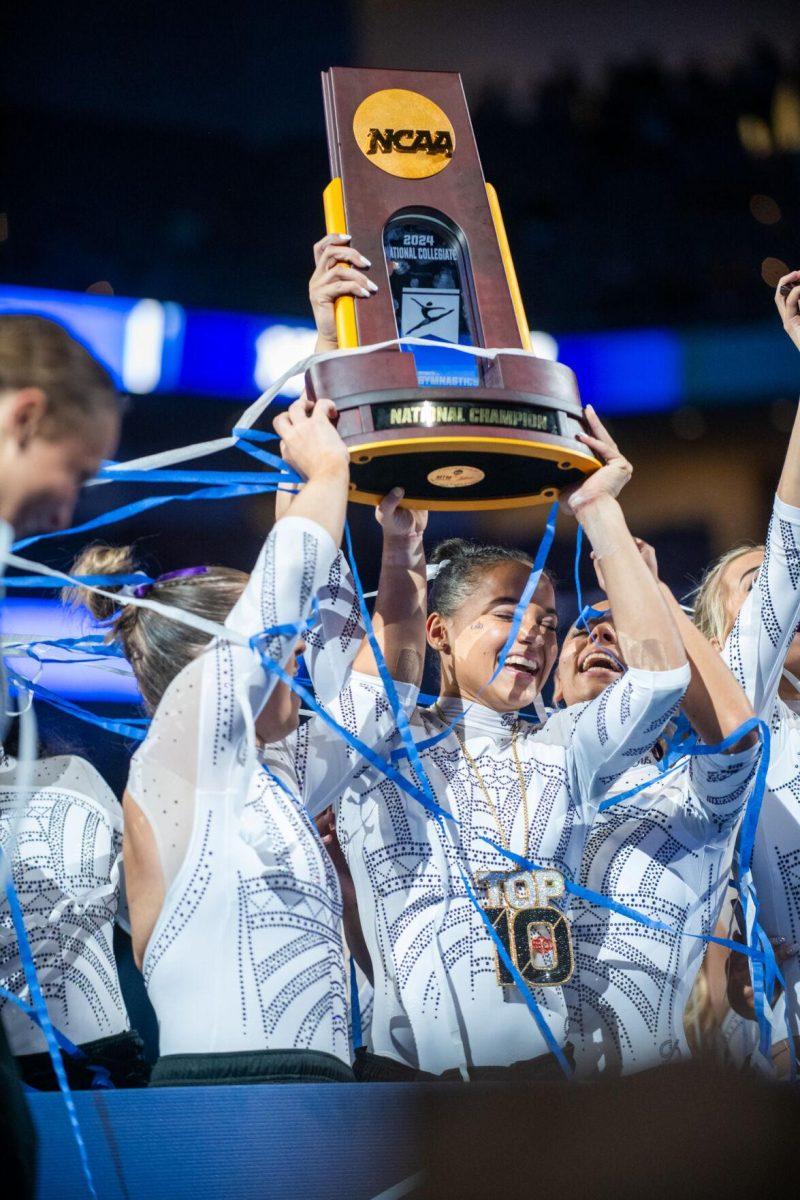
(493, 809)
(535, 934)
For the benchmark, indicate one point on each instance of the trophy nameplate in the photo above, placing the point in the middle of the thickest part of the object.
(455, 431)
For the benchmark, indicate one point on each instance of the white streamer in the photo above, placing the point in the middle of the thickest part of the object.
(169, 458)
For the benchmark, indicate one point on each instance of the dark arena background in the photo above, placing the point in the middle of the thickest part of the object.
(162, 173)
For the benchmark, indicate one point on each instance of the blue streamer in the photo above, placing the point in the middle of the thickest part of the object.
(221, 478)
(603, 901)
(101, 1077)
(246, 436)
(355, 1008)
(134, 728)
(403, 726)
(355, 743)
(29, 971)
(139, 506)
(586, 612)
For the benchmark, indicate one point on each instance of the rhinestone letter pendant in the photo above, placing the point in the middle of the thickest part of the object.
(536, 934)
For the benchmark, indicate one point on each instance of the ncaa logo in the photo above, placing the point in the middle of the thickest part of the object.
(404, 133)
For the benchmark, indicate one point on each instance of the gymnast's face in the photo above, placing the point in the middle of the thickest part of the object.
(42, 475)
(737, 582)
(590, 660)
(470, 641)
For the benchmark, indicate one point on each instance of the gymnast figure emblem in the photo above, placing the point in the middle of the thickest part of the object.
(428, 309)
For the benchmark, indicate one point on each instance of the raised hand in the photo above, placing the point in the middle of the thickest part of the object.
(612, 476)
(401, 524)
(336, 273)
(787, 300)
(309, 440)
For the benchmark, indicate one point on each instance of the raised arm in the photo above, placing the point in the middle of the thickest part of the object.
(757, 645)
(645, 626)
(787, 300)
(202, 733)
(609, 734)
(401, 605)
(714, 703)
(310, 443)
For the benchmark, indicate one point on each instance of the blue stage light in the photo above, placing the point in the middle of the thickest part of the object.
(152, 346)
(109, 680)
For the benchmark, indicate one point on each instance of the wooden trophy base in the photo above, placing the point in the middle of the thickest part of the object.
(509, 443)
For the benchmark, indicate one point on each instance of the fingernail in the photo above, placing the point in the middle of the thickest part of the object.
(364, 292)
(365, 262)
(398, 491)
(373, 287)
(343, 237)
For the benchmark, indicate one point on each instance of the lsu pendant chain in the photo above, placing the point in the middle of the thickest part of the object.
(535, 933)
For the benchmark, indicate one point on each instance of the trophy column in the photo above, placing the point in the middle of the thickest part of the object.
(455, 431)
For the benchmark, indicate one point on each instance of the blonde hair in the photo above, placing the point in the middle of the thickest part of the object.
(710, 612)
(156, 647)
(35, 352)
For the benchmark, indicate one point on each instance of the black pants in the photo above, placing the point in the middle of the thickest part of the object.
(17, 1132)
(376, 1068)
(250, 1066)
(122, 1055)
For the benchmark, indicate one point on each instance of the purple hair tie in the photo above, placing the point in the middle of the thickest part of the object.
(144, 589)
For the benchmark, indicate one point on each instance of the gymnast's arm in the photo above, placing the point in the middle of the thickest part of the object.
(202, 734)
(758, 643)
(628, 716)
(401, 605)
(789, 309)
(714, 703)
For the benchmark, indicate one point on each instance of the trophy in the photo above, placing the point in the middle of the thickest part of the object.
(456, 431)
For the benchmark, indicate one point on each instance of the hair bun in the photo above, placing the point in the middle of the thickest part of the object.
(451, 549)
(99, 559)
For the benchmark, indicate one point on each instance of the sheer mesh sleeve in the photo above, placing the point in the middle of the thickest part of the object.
(334, 641)
(202, 736)
(758, 642)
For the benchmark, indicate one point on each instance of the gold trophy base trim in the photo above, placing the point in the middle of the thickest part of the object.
(572, 462)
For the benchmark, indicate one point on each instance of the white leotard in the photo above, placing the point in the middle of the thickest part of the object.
(247, 950)
(666, 853)
(65, 869)
(756, 651)
(437, 1002)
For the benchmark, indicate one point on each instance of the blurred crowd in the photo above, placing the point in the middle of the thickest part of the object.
(663, 194)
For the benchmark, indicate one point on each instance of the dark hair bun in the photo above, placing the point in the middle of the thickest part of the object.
(451, 549)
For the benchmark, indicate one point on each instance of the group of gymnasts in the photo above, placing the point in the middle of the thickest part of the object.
(386, 890)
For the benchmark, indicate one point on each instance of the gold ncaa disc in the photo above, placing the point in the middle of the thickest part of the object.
(404, 133)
